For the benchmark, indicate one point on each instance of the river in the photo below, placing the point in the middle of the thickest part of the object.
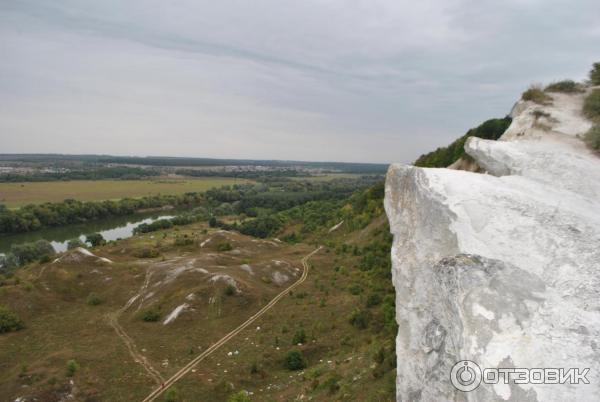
(111, 229)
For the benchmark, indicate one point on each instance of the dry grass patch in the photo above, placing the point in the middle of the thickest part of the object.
(536, 94)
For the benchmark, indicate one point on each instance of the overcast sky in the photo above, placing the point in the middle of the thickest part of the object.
(365, 81)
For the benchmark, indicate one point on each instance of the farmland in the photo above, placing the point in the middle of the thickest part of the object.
(14, 195)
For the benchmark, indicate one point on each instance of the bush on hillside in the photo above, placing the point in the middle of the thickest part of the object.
(151, 315)
(74, 243)
(566, 86)
(536, 94)
(294, 360)
(591, 105)
(299, 337)
(229, 290)
(183, 240)
(225, 247)
(95, 239)
(374, 299)
(592, 138)
(241, 396)
(93, 299)
(595, 74)
(72, 368)
(360, 319)
(9, 320)
(171, 395)
(146, 252)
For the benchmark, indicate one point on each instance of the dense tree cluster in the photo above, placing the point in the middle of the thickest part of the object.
(34, 217)
(21, 254)
(443, 157)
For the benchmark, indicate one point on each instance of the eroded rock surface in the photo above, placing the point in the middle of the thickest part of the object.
(501, 268)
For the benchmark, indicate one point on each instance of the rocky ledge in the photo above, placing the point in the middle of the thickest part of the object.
(501, 268)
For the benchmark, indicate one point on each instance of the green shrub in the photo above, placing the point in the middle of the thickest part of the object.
(229, 290)
(171, 395)
(74, 243)
(444, 156)
(151, 315)
(591, 105)
(72, 368)
(374, 299)
(566, 86)
(537, 95)
(294, 360)
(379, 356)
(331, 384)
(592, 138)
(184, 240)
(93, 299)
(299, 337)
(355, 289)
(241, 396)
(254, 367)
(360, 319)
(225, 247)
(95, 239)
(9, 320)
(147, 252)
(595, 74)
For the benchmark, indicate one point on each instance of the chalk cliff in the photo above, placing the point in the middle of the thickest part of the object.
(501, 268)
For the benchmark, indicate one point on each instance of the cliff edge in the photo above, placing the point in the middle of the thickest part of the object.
(501, 268)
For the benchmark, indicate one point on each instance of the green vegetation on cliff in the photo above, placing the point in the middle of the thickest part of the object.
(442, 157)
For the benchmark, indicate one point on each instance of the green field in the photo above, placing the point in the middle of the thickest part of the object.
(18, 194)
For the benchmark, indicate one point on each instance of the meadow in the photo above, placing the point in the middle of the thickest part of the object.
(15, 195)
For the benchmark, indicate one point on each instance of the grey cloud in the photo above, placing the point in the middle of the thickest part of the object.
(361, 80)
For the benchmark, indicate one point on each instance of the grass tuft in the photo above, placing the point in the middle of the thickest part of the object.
(565, 86)
(592, 138)
(591, 105)
(536, 94)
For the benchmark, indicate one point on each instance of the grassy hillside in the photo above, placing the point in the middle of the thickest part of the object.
(75, 311)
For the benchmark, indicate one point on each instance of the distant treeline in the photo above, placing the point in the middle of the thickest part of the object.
(443, 157)
(367, 168)
(248, 199)
(99, 173)
(246, 174)
(34, 217)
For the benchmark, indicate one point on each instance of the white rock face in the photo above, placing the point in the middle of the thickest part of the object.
(501, 268)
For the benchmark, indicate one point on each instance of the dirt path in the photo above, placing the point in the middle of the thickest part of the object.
(188, 367)
(113, 320)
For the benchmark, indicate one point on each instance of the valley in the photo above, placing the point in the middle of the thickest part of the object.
(132, 313)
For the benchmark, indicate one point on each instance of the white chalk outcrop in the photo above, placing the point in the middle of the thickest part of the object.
(501, 268)
(79, 255)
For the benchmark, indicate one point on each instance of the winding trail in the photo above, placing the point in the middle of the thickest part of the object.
(113, 320)
(188, 367)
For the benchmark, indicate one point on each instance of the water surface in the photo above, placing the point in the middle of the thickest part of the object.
(111, 229)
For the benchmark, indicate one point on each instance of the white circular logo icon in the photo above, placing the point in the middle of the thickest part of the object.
(465, 375)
